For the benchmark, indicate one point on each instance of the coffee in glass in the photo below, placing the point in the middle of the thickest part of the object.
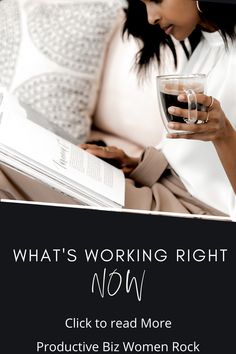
(169, 87)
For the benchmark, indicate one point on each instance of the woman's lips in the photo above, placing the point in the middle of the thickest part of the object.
(168, 29)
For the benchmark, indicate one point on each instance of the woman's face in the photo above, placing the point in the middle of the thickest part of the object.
(176, 17)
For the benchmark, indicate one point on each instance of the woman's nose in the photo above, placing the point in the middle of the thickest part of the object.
(152, 14)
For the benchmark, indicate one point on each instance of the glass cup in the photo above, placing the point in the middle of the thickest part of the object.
(169, 87)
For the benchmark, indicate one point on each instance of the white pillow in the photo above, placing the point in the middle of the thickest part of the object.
(51, 57)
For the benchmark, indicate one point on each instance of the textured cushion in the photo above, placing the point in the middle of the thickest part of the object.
(51, 57)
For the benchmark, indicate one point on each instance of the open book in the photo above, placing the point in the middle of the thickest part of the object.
(49, 168)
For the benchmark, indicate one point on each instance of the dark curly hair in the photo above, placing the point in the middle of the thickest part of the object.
(220, 15)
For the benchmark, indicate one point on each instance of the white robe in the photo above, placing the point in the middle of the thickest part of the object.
(197, 162)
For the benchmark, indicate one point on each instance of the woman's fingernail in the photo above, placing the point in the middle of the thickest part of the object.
(171, 125)
(181, 97)
(171, 110)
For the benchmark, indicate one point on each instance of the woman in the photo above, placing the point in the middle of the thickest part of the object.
(190, 173)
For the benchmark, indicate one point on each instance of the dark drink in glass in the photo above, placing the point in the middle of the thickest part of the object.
(169, 99)
(169, 87)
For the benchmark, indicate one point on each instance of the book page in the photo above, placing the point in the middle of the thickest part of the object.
(55, 156)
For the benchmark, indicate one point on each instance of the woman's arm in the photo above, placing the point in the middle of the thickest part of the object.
(145, 170)
(217, 129)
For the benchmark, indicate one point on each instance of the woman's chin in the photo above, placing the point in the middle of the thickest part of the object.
(180, 35)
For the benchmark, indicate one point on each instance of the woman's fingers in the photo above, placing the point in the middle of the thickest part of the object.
(193, 136)
(210, 123)
(193, 128)
(106, 152)
(179, 112)
(207, 101)
(94, 149)
(125, 162)
(210, 118)
(208, 104)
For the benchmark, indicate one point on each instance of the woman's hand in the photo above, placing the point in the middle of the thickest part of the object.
(216, 129)
(126, 163)
(216, 125)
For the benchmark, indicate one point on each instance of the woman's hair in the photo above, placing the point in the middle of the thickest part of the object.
(221, 16)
